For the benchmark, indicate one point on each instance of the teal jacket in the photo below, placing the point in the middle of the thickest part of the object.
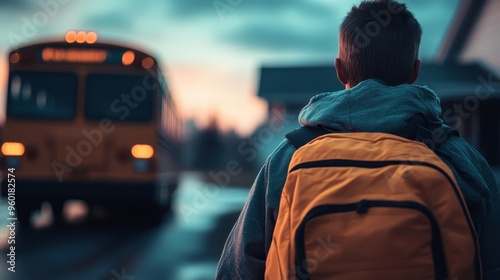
(371, 106)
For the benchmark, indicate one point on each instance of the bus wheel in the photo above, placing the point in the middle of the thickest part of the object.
(57, 211)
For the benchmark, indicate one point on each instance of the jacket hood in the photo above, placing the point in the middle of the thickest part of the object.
(371, 106)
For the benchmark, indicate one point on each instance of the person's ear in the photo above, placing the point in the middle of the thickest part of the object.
(414, 72)
(341, 75)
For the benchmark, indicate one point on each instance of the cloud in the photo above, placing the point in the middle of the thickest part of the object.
(312, 26)
(195, 8)
(302, 27)
(185, 9)
(307, 26)
(109, 21)
(284, 37)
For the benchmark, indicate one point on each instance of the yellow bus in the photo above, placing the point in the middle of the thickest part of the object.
(89, 121)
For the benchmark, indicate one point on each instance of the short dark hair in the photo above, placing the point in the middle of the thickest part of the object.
(379, 40)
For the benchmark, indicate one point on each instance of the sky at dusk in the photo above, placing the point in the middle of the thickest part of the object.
(210, 51)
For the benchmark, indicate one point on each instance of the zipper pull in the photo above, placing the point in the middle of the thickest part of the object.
(363, 206)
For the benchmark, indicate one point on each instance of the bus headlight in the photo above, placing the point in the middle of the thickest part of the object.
(13, 149)
(142, 151)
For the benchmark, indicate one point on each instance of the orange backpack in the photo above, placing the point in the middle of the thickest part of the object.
(370, 206)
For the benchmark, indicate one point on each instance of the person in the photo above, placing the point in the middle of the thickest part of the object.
(378, 64)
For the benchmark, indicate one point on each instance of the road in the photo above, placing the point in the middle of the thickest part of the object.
(185, 246)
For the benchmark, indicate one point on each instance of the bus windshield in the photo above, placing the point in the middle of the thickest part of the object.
(118, 97)
(42, 95)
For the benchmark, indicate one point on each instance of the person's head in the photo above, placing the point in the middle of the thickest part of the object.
(379, 39)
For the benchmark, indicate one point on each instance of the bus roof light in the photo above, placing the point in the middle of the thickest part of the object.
(71, 37)
(13, 149)
(148, 62)
(128, 58)
(80, 37)
(14, 58)
(91, 37)
(142, 151)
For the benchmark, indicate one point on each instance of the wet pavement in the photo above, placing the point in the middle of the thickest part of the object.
(185, 246)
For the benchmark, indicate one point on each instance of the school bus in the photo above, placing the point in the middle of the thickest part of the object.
(90, 121)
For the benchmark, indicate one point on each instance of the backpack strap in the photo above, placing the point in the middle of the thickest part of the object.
(303, 135)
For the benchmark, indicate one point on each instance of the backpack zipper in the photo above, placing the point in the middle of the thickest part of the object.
(362, 208)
